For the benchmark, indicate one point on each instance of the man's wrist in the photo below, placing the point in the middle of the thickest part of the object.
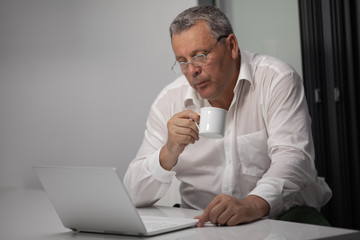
(167, 161)
(261, 206)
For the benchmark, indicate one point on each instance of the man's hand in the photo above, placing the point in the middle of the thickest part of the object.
(182, 131)
(226, 210)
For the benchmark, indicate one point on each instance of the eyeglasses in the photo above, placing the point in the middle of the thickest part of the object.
(196, 61)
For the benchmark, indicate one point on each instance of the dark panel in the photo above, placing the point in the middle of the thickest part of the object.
(330, 51)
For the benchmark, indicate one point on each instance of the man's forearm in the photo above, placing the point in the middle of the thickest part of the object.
(167, 159)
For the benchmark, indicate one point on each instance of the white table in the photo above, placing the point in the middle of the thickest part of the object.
(28, 214)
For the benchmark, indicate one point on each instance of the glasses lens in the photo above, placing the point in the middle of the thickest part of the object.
(176, 67)
(199, 60)
(183, 66)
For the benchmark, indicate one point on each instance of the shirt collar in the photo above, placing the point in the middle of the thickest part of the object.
(193, 98)
(245, 69)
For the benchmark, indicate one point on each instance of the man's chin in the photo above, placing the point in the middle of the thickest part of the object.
(206, 95)
(206, 92)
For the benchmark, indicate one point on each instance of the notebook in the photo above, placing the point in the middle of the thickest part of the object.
(94, 199)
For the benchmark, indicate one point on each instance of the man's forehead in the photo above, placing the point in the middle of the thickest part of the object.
(198, 31)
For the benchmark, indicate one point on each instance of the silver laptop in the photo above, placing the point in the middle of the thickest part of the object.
(94, 200)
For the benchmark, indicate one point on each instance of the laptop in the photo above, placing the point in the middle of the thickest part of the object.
(94, 199)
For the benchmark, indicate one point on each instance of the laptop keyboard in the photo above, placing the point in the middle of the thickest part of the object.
(156, 223)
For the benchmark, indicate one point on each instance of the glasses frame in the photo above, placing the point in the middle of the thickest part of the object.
(197, 56)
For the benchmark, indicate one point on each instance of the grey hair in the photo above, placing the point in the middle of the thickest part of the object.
(218, 23)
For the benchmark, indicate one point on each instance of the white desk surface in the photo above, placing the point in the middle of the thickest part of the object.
(28, 214)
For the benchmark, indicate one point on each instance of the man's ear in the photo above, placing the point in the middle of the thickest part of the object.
(234, 47)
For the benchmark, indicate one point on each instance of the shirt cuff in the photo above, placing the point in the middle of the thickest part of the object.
(157, 171)
(271, 195)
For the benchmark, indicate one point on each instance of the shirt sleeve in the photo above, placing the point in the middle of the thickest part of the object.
(145, 179)
(290, 144)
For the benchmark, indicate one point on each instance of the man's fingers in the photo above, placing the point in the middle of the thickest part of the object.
(183, 130)
(189, 124)
(233, 220)
(226, 210)
(226, 216)
(188, 114)
(218, 214)
(203, 218)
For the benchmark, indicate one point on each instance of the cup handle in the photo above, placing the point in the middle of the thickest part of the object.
(197, 125)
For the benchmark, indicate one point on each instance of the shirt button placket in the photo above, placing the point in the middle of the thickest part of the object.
(227, 183)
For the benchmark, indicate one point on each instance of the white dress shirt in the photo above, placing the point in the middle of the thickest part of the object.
(267, 149)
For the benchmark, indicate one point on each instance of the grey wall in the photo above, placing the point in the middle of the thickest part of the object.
(77, 78)
(267, 26)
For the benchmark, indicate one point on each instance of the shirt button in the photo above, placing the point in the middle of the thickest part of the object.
(226, 188)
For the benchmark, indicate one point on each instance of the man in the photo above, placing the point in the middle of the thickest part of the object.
(263, 166)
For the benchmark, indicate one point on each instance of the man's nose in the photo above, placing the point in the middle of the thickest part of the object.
(194, 70)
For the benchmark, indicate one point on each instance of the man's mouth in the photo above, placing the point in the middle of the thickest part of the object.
(201, 84)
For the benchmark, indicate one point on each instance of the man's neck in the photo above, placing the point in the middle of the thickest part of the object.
(224, 101)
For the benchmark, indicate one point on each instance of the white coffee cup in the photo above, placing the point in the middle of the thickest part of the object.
(212, 122)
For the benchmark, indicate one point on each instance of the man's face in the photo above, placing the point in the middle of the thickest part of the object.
(211, 80)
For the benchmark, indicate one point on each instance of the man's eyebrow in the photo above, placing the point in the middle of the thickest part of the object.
(178, 58)
(193, 53)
